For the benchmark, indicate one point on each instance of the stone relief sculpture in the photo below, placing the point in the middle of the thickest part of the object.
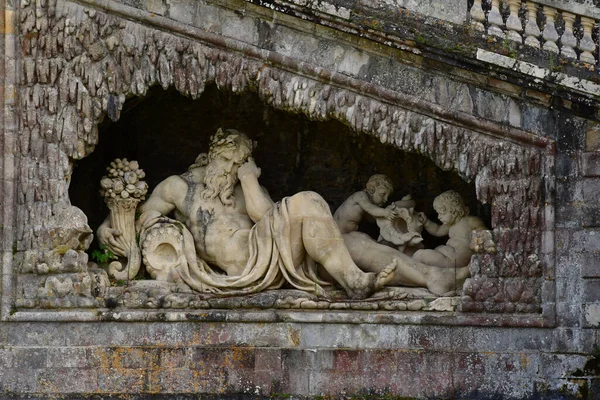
(226, 219)
(215, 230)
(508, 174)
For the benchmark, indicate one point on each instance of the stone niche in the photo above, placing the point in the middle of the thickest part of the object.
(142, 78)
(165, 131)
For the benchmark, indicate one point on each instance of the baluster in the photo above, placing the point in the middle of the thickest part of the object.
(513, 23)
(550, 34)
(477, 16)
(586, 44)
(495, 20)
(532, 31)
(568, 41)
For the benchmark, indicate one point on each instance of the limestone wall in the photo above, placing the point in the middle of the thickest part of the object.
(297, 359)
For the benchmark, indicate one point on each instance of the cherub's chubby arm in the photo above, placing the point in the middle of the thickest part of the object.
(363, 200)
(258, 201)
(435, 229)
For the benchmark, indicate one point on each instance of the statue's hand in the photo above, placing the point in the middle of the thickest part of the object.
(111, 239)
(247, 170)
(413, 238)
(391, 213)
(421, 217)
(404, 214)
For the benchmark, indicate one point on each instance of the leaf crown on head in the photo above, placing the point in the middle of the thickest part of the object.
(229, 139)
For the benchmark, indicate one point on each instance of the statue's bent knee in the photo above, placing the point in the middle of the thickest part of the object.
(309, 203)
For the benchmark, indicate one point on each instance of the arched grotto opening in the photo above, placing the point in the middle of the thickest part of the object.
(165, 131)
(507, 167)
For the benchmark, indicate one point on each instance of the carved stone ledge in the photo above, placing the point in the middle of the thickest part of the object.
(75, 290)
(156, 294)
(285, 315)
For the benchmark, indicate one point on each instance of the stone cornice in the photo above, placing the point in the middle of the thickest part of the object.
(572, 6)
(289, 316)
(445, 41)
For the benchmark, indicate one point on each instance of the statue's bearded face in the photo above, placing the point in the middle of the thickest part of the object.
(227, 154)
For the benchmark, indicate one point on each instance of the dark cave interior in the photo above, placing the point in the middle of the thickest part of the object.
(165, 131)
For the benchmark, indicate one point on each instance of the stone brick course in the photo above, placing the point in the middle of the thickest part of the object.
(424, 362)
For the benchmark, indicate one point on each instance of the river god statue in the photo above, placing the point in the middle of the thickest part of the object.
(229, 237)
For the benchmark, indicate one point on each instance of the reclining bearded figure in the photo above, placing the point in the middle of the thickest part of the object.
(227, 219)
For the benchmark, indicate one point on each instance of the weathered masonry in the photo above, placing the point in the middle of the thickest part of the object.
(496, 99)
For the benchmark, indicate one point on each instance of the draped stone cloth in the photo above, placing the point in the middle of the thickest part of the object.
(269, 266)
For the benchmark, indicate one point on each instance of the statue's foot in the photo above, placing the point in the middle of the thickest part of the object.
(443, 280)
(372, 282)
(385, 277)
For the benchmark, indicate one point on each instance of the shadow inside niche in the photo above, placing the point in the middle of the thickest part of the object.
(165, 131)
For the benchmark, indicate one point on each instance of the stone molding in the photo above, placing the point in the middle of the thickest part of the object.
(292, 316)
(573, 6)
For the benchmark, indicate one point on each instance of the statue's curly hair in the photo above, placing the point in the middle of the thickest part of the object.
(451, 201)
(227, 139)
(376, 181)
(219, 142)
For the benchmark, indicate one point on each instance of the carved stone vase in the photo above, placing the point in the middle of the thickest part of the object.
(404, 230)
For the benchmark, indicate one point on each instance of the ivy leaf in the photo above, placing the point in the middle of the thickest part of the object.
(103, 255)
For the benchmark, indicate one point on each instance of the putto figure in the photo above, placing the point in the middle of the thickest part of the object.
(226, 219)
(457, 224)
(368, 201)
(372, 256)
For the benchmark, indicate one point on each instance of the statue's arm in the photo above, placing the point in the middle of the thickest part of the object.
(165, 196)
(258, 202)
(477, 224)
(435, 229)
(110, 238)
(363, 200)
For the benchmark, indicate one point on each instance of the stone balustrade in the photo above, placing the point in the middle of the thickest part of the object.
(565, 28)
